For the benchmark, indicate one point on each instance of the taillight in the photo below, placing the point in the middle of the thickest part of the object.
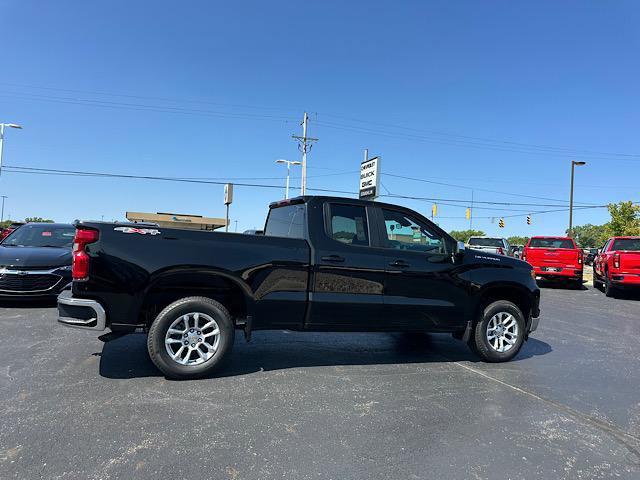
(524, 255)
(580, 254)
(616, 260)
(500, 251)
(80, 269)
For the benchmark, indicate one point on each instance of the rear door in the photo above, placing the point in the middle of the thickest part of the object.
(421, 288)
(347, 273)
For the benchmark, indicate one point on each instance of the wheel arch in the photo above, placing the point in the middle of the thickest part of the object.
(512, 292)
(172, 284)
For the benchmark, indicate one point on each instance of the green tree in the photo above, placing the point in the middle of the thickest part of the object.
(518, 240)
(625, 219)
(463, 235)
(590, 235)
(38, 220)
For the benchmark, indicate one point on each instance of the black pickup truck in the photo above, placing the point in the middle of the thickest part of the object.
(322, 264)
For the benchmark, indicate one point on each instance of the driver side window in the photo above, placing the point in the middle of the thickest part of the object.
(406, 233)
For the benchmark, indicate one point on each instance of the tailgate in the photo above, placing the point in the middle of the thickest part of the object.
(552, 256)
(630, 262)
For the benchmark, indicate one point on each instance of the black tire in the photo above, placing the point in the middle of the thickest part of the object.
(479, 343)
(609, 289)
(596, 282)
(158, 331)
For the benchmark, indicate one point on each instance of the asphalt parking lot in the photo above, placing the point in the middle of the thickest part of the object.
(329, 406)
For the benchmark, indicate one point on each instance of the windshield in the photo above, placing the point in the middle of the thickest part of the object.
(60, 236)
(551, 243)
(629, 244)
(486, 242)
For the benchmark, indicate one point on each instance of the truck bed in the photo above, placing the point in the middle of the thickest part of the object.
(127, 265)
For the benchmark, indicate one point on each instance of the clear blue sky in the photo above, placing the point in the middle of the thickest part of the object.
(216, 89)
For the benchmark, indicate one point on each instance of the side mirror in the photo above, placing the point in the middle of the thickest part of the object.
(460, 247)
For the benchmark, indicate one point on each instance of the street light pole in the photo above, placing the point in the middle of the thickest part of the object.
(288, 163)
(2, 125)
(2, 214)
(573, 167)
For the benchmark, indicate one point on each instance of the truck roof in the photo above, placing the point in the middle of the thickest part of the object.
(323, 198)
(552, 236)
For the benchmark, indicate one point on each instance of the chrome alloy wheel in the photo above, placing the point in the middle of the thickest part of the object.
(192, 339)
(502, 332)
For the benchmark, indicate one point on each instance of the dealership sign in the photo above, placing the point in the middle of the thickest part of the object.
(370, 178)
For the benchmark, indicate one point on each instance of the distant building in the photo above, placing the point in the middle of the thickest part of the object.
(177, 220)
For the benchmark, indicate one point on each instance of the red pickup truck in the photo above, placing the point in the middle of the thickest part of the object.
(555, 258)
(617, 265)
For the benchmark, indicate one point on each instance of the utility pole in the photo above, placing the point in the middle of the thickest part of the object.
(304, 145)
(2, 214)
(573, 167)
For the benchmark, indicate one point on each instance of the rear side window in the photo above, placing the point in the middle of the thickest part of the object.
(348, 224)
(486, 242)
(288, 221)
(552, 243)
(630, 244)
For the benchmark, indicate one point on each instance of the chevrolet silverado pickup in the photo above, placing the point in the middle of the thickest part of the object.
(555, 258)
(617, 265)
(322, 264)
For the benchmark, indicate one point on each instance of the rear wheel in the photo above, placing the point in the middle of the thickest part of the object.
(609, 289)
(190, 338)
(596, 281)
(499, 333)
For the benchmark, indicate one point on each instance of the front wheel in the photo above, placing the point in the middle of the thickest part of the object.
(499, 333)
(190, 338)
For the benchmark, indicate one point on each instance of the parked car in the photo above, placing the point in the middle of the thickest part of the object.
(496, 245)
(6, 231)
(589, 255)
(516, 251)
(35, 261)
(617, 265)
(323, 264)
(555, 258)
(253, 232)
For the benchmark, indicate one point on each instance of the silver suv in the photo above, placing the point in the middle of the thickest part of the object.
(490, 244)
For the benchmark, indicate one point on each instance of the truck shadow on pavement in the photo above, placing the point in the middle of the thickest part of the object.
(127, 357)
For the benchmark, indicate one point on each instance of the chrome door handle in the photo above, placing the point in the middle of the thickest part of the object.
(333, 258)
(399, 264)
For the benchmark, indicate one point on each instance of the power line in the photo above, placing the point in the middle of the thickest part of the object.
(463, 202)
(460, 143)
(467, 139)
(143, 97)
(146, 107)
(472, 188)
(564, 150)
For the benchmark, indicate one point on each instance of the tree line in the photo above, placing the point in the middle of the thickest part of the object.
(6, 223)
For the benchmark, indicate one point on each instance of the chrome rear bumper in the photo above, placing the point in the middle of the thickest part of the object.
(81, 312)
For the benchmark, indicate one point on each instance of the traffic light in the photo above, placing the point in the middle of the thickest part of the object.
(468, 214)
(434, 210)
(501, 223)
(528, 219)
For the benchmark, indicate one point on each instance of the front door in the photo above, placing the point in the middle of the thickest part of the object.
(422, 290)
(348, 274)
